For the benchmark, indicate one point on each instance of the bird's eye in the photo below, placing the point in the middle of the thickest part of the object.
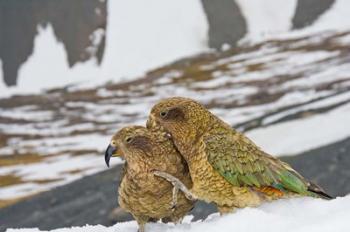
(113, 143)
(128, 139)
(163, 113)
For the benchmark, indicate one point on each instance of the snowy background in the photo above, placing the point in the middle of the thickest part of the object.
(146, 35)
(276, 82)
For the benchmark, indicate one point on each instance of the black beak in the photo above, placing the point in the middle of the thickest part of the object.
(109, 153)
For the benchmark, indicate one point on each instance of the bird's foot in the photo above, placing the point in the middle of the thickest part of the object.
(177, 185)
(174, 200)
(141, 228)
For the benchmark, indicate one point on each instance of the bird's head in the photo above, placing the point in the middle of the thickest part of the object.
(183, 118)
(129, 142)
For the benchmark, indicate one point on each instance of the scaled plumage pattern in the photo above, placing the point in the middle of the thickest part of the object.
(226, 167)
(145, 196)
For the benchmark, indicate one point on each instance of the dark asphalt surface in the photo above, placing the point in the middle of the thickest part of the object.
(92, 199)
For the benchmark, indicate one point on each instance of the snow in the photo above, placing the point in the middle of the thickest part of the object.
(268, 16)
(291, 215)
(96, 39)
(33, 75)
(57, 169)
(296, 136)
(271, 19)
(140, 36)
(144, 35)
(344, 97)
(333, 18)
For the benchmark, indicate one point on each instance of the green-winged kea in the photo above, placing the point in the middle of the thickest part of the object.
(226, 167)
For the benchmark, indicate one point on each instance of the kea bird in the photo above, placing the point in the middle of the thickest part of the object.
(148, 197)
(226, 167)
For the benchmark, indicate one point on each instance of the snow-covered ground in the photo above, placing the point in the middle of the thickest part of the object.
(142, 36)
(292, 215)
(139, 36)
(289, 90)
(271, 19)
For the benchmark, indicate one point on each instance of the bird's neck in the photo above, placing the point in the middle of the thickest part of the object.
(138, 164)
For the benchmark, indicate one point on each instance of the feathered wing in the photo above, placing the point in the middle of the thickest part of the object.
(242, 163)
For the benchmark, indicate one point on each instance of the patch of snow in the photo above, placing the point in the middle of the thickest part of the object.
(243, 114)
(333, 18)
(27, 114)
(329, 101)
(318, 130)
(215, 82)
(311, 57)
(326, 74)
(61, 170)
(140, 36)
(268, 16)
(290, 215)
(344, 40)
(143, 35)
(272, 20)
(48, 66)
(96, 39)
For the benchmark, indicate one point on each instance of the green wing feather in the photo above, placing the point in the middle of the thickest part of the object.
(242, 163)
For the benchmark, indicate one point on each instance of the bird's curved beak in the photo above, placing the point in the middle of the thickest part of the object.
(110, 152)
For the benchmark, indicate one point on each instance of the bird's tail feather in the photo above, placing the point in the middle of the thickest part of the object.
(313, 188)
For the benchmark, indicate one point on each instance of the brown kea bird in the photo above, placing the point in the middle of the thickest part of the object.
(226, 167)
(148, 197)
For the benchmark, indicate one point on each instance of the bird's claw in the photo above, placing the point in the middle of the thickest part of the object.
(174, 199)
(177, 184)
(172, 207)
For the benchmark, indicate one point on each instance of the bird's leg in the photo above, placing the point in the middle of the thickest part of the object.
(177, 184)
(141, 221)
(174, 201)
(141, 228)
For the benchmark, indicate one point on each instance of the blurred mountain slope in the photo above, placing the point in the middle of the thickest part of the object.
(290, 95)
(99, 40)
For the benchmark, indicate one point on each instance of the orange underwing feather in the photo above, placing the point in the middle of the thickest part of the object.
(271, 191)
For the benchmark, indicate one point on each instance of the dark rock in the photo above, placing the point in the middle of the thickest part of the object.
(308, 11)
(226, 22)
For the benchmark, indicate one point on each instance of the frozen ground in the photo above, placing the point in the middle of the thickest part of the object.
(293, 215)
(288, 95)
